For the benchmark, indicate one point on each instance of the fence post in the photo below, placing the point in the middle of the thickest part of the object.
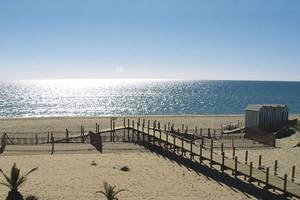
(124, 130)
(128, 130)
(267, 178)
(200, 157)
(114, 129)
(259, 162)
(132, 138)
(211, 152)
(36, 139)
(143, 125)
(67, 135)
(246, 157)
(235, 166)
(111, 123)
(233, 152)
(159, 137)
(293, 173)
(222, 147)
(223, 162)
(191, 153)
(52, 144)
(148, 133)
(167, 137)
(284, 184)
(182, 146)
(275, 167)
(250, 173)
(174, 144)
(101, 144)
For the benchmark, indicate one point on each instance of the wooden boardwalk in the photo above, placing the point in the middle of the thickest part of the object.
(189, 149)
(175, 142)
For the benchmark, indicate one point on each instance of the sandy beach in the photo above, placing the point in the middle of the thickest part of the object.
(70, 175)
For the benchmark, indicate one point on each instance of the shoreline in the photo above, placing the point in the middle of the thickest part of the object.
(297, 115)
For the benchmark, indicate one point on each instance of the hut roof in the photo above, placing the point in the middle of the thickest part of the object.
(258, 107)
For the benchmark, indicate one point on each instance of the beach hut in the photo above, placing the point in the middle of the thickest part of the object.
(266, 117)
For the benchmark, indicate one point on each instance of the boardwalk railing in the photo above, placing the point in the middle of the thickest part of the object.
(171, 141)
(190, 146)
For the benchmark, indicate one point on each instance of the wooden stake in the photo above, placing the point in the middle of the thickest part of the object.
(275, 167)
(222, 147)
(200, 157)
(133, 131)
(285, 184)
(174, 144)
(259, 162)
(211, 152)
(52, 144)
(67, 136)
(235, 166)
(250, 173)
(223, 162)
(267, 177)
(246, 157)
(191, 149)
(293, 173)
(159, 137)
(233, 152)
(182, 146)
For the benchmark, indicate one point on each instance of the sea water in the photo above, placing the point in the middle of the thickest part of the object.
(77, 97)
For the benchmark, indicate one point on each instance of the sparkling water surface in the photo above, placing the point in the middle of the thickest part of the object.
(36, 98)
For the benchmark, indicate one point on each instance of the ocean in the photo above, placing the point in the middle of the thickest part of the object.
(41, 98)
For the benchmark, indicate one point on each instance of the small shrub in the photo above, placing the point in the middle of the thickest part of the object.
(93, 163)
(110, 192)
(31, 197)
(284, 132)
(125, 169)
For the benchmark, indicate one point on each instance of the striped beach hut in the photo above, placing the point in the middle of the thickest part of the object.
(266, 117)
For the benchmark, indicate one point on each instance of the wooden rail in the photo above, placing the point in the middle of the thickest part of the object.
(188, 148)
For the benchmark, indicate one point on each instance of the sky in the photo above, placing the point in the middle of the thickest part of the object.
(150, 39)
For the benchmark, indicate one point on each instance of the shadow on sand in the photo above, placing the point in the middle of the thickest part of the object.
(213, 174)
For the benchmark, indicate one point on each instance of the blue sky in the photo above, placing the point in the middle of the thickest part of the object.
(232, 39)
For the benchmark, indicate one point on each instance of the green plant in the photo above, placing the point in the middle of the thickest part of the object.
(109, 191)
(14, 182)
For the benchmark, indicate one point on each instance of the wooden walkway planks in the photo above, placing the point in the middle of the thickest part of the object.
(188, 147)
